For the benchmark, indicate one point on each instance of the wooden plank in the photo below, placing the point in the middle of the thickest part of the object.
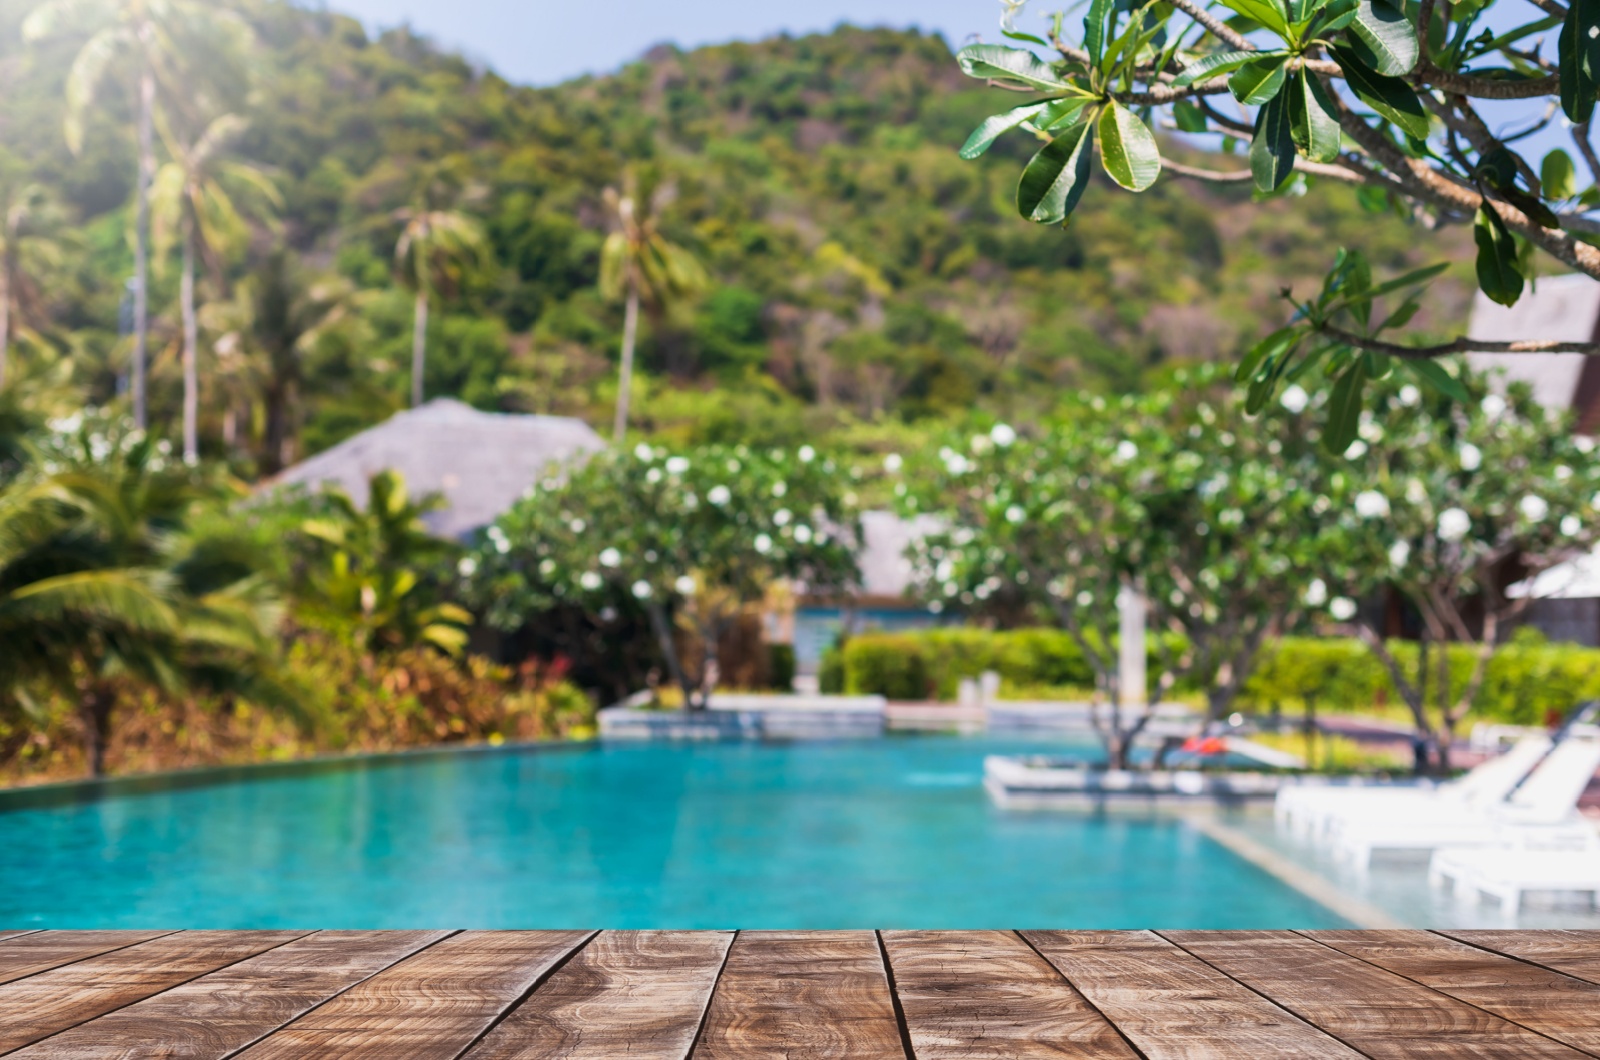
(797, 995)
(1172, 1005)
(52, 1001)
(4, 935)
(30, 953)
(640, 994)
(1376, 1012)
(212, 1016)
(1574, 953)
(986, 995)
(427, 1007)
(1553, 1004)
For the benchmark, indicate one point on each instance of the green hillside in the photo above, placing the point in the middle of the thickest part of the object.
(864, 279)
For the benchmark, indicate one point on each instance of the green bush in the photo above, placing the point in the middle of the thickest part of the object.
(830, 671)
(930, 664)
(780, 666)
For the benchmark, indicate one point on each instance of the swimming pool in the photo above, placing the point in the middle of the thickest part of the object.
(878, 833)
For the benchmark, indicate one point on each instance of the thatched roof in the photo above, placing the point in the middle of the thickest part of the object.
(480, 462)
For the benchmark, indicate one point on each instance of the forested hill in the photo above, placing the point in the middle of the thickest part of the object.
(864, 278)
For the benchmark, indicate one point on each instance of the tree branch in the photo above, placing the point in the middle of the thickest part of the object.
(1217, 28)
(1426, 76)
(1243, 176)
(1580, 139)
(1463, 344)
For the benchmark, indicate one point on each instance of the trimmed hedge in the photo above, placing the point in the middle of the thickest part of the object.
(1528, 682)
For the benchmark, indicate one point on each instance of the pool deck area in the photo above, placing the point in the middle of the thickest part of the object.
(929, 995)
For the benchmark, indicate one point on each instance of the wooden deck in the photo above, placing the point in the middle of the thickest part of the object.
(931, 995)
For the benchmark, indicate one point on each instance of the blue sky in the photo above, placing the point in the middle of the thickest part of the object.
(541, 42)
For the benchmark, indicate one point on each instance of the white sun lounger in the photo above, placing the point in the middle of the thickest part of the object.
(1508, 874)
(1543, 811)
(1310, 811)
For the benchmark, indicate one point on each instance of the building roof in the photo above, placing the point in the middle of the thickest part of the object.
(1561, 308)
(1576, 579)
(885, 536)
(480, 462)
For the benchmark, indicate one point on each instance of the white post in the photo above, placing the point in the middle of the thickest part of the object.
(1131, 649)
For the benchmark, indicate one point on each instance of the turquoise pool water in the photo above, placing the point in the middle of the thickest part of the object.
(884, 833)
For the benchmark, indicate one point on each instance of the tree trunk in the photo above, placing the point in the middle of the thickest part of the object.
(191, 352)
(630, 331)
(419, 346)
(141, 245)
(669, 651)
(95, 703)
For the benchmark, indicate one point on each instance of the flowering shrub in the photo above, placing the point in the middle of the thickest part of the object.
(695, 539)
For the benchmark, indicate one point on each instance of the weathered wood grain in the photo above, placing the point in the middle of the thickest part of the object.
(798, 995)
(1551, 1003)
(1575, 953)
(1377, 1012)
(63, 997)
(26, 954)
(427, 1007)
(1176, 1007)
(213, 1016)
(986, 995)
(639, 994)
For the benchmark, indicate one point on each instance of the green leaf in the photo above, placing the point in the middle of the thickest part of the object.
(1316, 130)
(1391, 97)
(1128, 149)
(1188, 117)
(1576, 50)
(1434, 375)
(1269, 13)
(1409, 279)
(996, 62)
(1385, 37)
(1062, 113)
(984, 136)
(1344, 407)
(1498, 275)
(1094, 30)
(1402, 316)
(1558, 177)
(1271, 347)
(1053, 181)
(1272, 148)
(1533, 206)
(1259, 79)
(1213, 65)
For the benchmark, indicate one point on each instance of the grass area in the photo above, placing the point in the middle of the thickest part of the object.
(1335, 754)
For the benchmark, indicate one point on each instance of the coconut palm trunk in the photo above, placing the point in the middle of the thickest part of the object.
(141, 243)
(191, 351)
(630, 332)
(419, 347)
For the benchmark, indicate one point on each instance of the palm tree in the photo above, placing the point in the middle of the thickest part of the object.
(435, 248)
(638, 264)
(27, 213)
(193, 200)
(149, 36)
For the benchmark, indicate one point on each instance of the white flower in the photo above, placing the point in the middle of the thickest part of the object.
(1356, 451)
(1399, 553)
(1085, 598)
(807, 454)
(1584, 443)
(802, 534)
(1316, 593)
(1015, 514)
(1471, 456)
(467, 567)
(589, 580)
(1370, 504)
(893, 463)
(1563, 472)
(1126, 450)
(733, 467)
(1416, 492)
(944, 571)
(782, 516)
(956, 464)
(677, 465)
(1494, 406)
(684, 585)
(1410, 396)
(763, 544)
(643, 452)
(719, 495)
(578, 526)
(501, 545)
(1342, 608)
(1533, 507)
(1454, 524)
(779, 489)
(1570, 525)
(1295, 399)
(1002, 434)
(641, 589)
(653, 475)
(547, 567)
(1008, 17)
(610, 558)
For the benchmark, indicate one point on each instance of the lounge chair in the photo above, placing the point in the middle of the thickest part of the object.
(1541, 812)
(1311, 811)
(1508, 874)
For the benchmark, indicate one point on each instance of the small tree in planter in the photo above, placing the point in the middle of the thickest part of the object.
(694, 539)
(1054, 519)
(1448, 503)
